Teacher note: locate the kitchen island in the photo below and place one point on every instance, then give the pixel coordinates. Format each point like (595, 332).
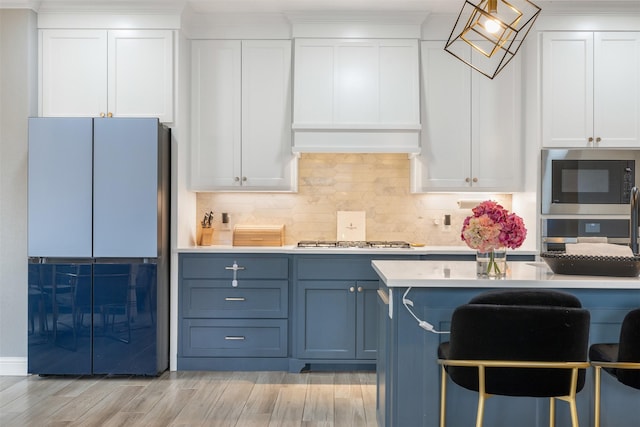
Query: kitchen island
(408, 375)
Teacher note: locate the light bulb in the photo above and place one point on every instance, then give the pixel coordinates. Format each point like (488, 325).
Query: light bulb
(492, 26)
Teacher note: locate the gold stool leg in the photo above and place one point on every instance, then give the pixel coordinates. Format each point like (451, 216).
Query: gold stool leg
(596, 403)
(574, 412)
(552, 412)
(481, 396)
(443, 397)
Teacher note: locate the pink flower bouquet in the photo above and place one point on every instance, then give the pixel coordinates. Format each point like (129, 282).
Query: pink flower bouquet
(492, 227)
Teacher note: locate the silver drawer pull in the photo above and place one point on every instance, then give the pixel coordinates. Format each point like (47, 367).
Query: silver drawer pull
(234, 338)
(234, 299)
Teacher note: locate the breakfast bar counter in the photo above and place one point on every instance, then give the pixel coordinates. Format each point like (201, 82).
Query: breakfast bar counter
(408, 376)
(461, 274)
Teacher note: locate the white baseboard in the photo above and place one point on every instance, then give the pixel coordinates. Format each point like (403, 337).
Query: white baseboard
(13, 366)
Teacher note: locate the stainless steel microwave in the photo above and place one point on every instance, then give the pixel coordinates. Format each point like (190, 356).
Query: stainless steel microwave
(590, 182)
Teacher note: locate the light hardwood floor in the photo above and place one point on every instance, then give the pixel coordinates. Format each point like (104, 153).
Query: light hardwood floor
(188, 398)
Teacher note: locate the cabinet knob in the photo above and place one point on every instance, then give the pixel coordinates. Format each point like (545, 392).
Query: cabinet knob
(475, 179)
(360, 289)
(244, 179)
(109, 114)
(598, 139)
(101, 114)
(352, 289)
(236, 179)
(590, 139)
(467, 179)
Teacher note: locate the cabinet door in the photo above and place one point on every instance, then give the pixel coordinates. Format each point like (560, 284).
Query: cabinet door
(495, 128)
(326, 326)
(216, 112)
(73, 72)
(567, 89)
(617, 89)
(446, 122)
(267, 159)
(367, 319)
(141, 73)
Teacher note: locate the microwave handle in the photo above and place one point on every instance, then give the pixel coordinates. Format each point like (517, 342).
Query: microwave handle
(560, 239)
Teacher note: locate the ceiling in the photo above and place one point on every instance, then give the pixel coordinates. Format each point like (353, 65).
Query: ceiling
(277, 6)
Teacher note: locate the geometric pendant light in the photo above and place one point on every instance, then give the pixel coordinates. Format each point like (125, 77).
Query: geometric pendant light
(494, 29)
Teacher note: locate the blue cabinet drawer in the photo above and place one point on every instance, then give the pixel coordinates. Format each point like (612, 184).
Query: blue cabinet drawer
(205, 266)
(251, 299)
(342, 267)
(234, 338)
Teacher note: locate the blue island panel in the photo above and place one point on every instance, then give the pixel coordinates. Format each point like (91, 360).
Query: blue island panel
(409, 376)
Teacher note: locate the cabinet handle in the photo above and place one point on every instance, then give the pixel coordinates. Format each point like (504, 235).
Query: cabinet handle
(360, 289)
(236, 179)
(244, 179)
(598, 139)
(467, 179)
(234, 299)
(234, 338)
(590, 139)
(234, 268)
(109, 114)
(352, 289)
(101, 114)
(475, 179)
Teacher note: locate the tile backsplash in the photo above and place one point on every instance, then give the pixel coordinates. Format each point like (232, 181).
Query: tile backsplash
(375, 183)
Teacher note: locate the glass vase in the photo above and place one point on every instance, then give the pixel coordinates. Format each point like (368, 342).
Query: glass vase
(492, 264)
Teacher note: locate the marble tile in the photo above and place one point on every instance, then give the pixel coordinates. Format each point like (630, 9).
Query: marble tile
(375, 183)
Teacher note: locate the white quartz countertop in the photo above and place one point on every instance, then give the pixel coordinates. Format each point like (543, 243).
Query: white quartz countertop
(462, 274)
(293, 249)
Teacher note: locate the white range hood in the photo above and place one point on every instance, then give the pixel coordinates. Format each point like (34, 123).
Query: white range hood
(356, 95)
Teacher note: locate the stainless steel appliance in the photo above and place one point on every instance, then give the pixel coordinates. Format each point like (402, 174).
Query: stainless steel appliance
(590, 181)
(98, 246)
(351, 244)
(556, 232)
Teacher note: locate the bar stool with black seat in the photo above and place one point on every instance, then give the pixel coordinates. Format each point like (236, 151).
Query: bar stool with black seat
(517, 343)
(622, 359)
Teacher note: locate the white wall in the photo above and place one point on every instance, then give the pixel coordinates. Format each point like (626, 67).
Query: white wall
(18, 101)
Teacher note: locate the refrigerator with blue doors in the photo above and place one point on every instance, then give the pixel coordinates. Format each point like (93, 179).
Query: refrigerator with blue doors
(98, 246)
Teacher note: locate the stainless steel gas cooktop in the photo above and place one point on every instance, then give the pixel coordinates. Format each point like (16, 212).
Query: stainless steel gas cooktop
(351, 244)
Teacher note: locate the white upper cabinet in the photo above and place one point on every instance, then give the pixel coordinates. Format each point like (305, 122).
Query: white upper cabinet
(241, 116)
(73, 73)
(368, 88)
(124, 73)
(591, 89)
(471, 127)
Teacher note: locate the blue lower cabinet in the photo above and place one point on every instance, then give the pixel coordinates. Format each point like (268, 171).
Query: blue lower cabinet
(234, 312)
(336, 320)
(335, 310)
(249, 311)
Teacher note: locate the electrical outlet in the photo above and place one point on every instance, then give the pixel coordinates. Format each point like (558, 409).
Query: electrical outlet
(446, 222)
